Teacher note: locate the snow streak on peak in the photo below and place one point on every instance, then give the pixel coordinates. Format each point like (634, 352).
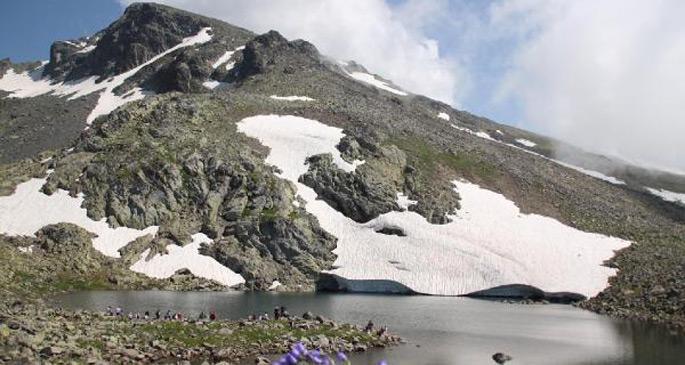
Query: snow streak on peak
(225, 58)
(372, 80)
(32, 83)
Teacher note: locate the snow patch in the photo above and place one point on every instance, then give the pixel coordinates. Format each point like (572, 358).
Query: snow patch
(28, 209)
(499, 132)
(32, 83)
(480, 134)
(292, 98)
(187, 257)
(489, 243)
(444, 116)
(215, 85)
(668, 195)
(592, 173)
(87, 49)
(372, 80)
(404, 202)
(595, 174)
(225, 57)
(275, 285)
(27, 249)
(525, 142)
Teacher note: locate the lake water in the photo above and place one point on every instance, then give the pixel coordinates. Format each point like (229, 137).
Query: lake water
(440, 330)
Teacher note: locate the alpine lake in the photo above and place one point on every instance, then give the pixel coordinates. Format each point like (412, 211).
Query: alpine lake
(438, 330)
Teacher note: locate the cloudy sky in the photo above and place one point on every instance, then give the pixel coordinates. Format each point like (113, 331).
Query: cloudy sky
(606, 75)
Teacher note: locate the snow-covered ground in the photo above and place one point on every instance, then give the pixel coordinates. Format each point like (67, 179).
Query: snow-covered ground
(444, 116)
(32, 83)
(489, 243)
(525, 142)
(292, 98)
(372, 80)
(28, 210)
(187, 257)
(668, 195)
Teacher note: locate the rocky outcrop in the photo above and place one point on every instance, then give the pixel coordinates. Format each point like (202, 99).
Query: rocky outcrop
(144, 31)
(182, 175)
(271, 52)
(354, 194)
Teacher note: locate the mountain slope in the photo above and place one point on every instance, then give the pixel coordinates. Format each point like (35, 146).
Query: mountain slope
(440, 194)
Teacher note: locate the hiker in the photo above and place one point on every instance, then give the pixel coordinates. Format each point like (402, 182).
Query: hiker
(212, 316)
(202, 316)
(109, 311)
(284, 312)
(382, 331)
(167, 316)
(147, 315)
(369, 327)
(119, 311)
(157, 314)
(265, 316)
(277, 313)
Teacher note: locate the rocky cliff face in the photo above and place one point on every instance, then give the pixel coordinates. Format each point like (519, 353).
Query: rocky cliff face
(177, 161)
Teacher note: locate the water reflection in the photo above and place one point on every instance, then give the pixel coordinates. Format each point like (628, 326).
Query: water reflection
(439, 330)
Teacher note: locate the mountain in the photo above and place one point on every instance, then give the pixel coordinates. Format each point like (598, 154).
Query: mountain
(185, 143)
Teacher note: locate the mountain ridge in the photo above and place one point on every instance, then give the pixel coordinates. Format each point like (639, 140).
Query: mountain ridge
(164, 161)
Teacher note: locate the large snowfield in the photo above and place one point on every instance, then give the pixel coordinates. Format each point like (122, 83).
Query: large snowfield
(489, 243)
(32, 83)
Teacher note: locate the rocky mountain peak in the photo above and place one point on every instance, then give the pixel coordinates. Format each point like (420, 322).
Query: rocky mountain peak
(272, 51)
(144, 31)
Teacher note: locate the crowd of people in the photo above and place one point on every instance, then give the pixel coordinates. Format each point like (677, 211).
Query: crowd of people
(157, 315)
(279, 313)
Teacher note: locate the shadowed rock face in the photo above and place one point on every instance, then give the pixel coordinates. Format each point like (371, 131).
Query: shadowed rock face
(331, 282)
(520, 291)
(356, 196)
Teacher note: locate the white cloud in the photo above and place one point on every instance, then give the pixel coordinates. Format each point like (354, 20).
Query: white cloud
(386, 40)
(605, 75)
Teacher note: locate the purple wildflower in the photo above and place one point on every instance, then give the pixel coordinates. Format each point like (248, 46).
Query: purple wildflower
(341, 356)
(291, 360)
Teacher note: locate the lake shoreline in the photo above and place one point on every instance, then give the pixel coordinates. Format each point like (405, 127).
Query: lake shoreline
(38, 332)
